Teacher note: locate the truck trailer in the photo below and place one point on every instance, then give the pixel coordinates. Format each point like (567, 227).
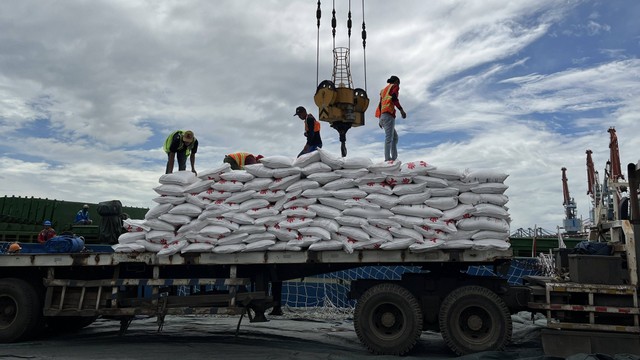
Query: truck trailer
(69, 291)
(473, 313)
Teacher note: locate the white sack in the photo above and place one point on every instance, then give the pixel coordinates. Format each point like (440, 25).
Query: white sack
(277, 161)
(317, 168)
(230, 186)
(257, 184)
(214, 174)
(442, 203)
(261, 245)
(186, 209)
(306, 159)
(484, 176)
(386, 166)
(130, 237)
(259, 170)
(237, 175)
(157, 224)
(489, 188)
(483, 223)
(422, 211)
(175, 219)
(333, 161)
(198, 186)
(416, 168)
(166, 199)
(182, 178)
(157, 210)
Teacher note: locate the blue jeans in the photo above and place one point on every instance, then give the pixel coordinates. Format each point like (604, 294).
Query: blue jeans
(388, 123)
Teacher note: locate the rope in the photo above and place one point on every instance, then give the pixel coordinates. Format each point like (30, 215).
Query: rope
(349, 25)
(333, 24)
(364, 46)
(318, 15)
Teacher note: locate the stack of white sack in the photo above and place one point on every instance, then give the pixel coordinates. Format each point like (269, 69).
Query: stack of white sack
(323, 202)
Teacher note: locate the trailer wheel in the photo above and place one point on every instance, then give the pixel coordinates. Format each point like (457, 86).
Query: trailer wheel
(69, 323)
(20, 310)
(388, 319)
(474, 319)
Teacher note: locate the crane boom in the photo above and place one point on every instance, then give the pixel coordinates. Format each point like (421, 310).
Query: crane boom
(614, 156)
(591, 175)
(571, 224)
(565, 186)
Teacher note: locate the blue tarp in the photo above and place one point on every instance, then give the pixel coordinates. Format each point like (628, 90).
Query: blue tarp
(64, 244)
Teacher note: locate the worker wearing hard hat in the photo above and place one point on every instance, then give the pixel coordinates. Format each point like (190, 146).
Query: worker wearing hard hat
(386, 112)
(14, 248)
(82, 216)
(47, 233)
(311, 130)
(181, 144)
(239, 159)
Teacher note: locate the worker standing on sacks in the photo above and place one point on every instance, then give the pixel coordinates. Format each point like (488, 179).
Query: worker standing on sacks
(386, 112)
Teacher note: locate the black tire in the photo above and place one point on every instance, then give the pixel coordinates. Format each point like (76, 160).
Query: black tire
(388, 319)
(69, 323)
(474, 319)
(20, 310)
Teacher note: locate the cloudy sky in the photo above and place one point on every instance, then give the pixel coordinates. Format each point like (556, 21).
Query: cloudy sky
(89, 90)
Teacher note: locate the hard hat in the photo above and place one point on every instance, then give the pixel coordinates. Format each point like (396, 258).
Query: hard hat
(300, 109)
(47, 223)
(85, 206)
(14, 247)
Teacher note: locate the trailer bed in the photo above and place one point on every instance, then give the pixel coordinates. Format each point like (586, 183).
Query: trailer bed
(364, 257)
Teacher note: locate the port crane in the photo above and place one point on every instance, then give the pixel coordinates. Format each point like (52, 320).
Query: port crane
(610, 202)
(572, 225)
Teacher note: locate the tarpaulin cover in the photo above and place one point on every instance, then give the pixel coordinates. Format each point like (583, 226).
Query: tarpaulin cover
(64, 244)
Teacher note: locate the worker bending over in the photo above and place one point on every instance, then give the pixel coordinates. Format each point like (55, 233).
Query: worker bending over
(238, 160)
(182, 144)
(311, 131)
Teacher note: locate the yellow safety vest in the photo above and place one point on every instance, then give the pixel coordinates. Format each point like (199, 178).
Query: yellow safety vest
(167, 143)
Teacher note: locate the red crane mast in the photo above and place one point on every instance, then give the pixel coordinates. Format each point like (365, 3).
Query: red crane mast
(614, 156)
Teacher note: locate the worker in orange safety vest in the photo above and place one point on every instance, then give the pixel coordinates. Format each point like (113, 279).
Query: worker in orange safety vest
(386, 112)
(238, 160)
(311, 131)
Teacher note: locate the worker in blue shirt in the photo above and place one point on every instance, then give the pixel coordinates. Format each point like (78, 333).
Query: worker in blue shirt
(82, 217)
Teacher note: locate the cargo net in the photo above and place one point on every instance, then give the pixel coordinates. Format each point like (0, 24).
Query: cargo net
(520, 267)
(326, 295)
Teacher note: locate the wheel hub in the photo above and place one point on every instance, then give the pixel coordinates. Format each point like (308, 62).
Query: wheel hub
(474, 322)
(388, 319)
(8, 311)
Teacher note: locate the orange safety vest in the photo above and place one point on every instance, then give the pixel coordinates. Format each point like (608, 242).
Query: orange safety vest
(239, 158)
(316, 124)
(386, 101)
